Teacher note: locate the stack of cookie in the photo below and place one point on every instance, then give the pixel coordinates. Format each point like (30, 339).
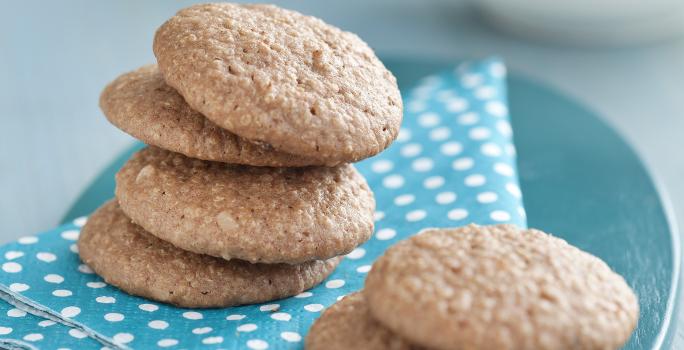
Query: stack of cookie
(245, 193)
(482, 287)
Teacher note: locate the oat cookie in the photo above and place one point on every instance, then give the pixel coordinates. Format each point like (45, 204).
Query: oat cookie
(499, 287)
(258, 214)
(144, 106)
(131, 259)
(349, 325)
(279, 77)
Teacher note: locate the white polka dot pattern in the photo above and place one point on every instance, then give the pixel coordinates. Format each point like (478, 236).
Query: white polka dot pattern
(19, 325)
(452, 164)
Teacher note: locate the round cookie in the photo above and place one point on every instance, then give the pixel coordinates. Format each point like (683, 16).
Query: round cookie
(499, 287)
(131, 259)
(258, 214)
(349, 325)
(279, 77)
(141, 104)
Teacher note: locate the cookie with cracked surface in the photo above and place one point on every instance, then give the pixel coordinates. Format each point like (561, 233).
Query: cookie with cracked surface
(276, 76)
(141, 104)
(258, 214)
(126, 256)
(499, 287)
(349, 325)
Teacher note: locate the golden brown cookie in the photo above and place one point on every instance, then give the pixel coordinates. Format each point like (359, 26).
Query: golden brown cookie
(279, 77)
(258, 214)
(126, 256)
(349, 325)
(141, 104)
(499, 287)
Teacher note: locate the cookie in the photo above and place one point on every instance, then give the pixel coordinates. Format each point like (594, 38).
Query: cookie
(126, 256)
(499, 287)
(349, 325)
(141, 104)
(279, 77)
(258, 214)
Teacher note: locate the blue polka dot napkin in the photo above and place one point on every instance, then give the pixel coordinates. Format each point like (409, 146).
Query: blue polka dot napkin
(22, 330)
(452, 164)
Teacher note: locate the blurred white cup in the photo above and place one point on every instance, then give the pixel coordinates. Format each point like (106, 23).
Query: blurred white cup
(588, 22)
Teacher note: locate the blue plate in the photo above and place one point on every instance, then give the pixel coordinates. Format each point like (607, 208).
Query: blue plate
(580, 180)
